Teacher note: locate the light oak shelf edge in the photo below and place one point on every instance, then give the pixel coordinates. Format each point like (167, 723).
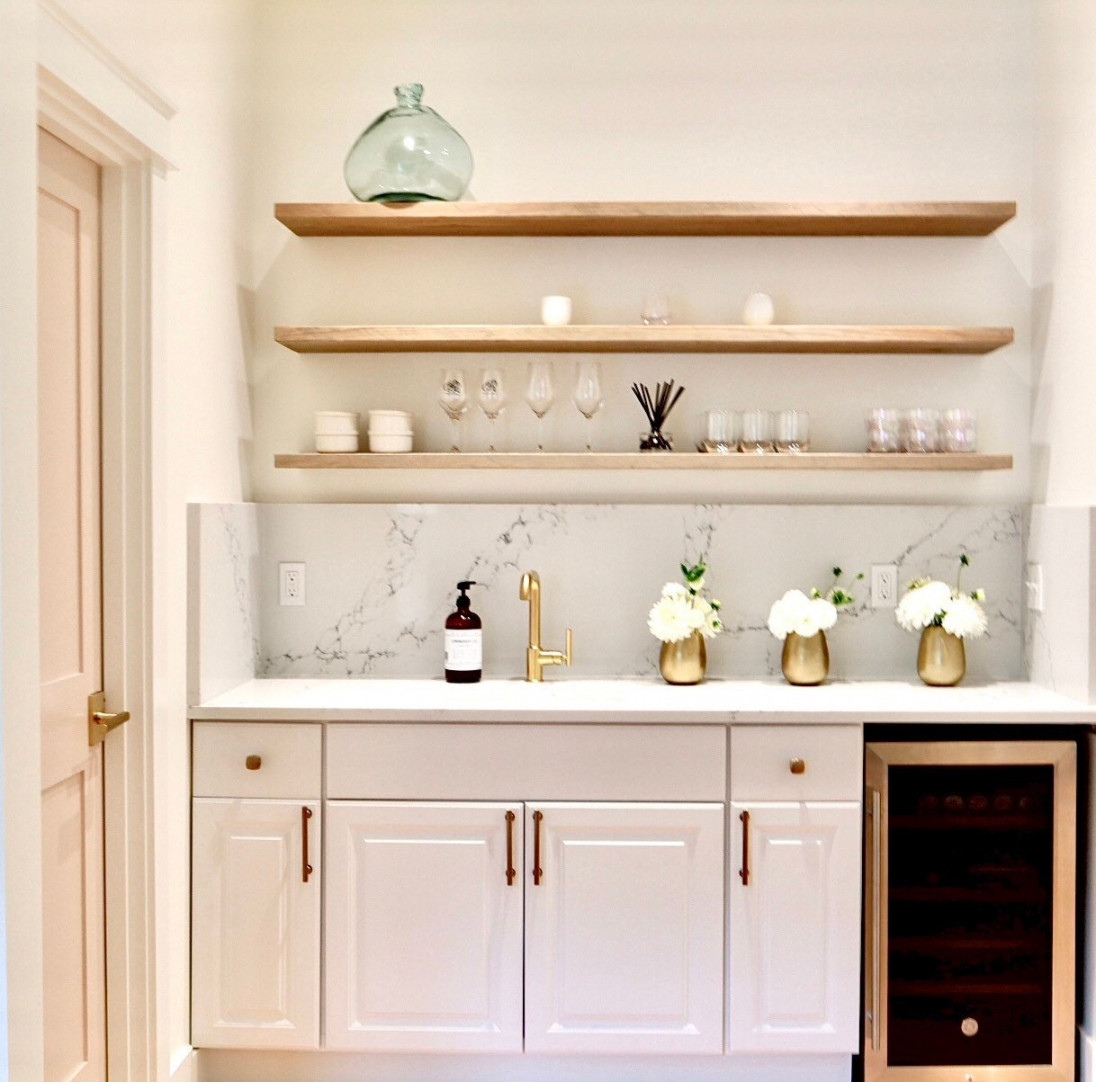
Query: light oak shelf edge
(634, 460)
(605, 219)
(677, 338)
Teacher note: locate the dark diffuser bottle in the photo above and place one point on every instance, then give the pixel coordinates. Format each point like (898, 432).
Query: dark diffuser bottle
(463, 642)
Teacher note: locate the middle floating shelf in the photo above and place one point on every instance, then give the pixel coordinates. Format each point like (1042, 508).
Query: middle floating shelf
(675, 338)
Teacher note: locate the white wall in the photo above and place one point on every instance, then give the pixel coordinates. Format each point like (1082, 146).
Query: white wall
(790, 99)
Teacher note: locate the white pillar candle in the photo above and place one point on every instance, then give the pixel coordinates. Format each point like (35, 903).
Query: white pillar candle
(759, 310)
(555, 311)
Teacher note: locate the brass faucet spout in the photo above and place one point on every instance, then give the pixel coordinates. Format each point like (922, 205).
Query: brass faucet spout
(530, 591)
(535, 657)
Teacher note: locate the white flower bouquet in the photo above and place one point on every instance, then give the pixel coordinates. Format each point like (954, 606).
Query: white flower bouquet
(683, 609)
(931, 603)
(805, 616)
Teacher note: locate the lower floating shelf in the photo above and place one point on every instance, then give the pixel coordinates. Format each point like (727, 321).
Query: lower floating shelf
(635, 460)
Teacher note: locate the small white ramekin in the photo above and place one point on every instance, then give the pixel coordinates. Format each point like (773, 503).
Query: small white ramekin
(341, 442)
(389, 443)
(390, 422)
(336, 423)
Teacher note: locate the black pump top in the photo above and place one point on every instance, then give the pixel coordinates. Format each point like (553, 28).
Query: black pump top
(463, 601)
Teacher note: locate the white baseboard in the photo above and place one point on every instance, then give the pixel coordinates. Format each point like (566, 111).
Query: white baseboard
(184, 1065)
(1087, 1057)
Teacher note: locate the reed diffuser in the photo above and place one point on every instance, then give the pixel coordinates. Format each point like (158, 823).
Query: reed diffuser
(657, 408)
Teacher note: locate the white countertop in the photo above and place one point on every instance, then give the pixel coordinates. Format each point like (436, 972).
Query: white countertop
(640, 700)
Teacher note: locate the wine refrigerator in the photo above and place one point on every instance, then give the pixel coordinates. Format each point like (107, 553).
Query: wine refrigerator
(969, 923)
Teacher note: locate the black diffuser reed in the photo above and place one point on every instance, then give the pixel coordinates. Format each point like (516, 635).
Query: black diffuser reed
(657, 408)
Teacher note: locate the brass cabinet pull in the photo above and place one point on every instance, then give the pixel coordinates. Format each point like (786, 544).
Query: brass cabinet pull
(538, 871)
(798, 766)
(253, 762)
(306, 868)
(876, 914)
(744, 871)
(510, 872)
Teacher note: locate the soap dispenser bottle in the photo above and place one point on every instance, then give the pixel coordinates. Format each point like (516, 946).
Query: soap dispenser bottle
(463, 642)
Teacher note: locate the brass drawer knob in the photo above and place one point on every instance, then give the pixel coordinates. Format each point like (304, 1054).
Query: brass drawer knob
(798, 766)
(253, 762)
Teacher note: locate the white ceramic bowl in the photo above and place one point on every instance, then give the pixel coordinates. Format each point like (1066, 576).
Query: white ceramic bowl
(344, 442)
(336, 423)
(390, 422)
(389, 443)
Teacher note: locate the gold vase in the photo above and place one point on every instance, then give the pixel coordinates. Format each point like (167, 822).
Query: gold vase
(683, 662)
(941, 658)
(805, 661)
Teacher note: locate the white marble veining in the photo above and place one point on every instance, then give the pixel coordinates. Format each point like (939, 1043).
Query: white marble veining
(640, 699)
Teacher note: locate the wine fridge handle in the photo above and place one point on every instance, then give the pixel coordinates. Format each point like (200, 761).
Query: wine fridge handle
(744, 871)
(538, 871)
(876, 914)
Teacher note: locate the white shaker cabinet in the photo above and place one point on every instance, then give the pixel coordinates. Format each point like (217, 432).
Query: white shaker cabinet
(424, 926)
(794, 927)
(256, 924)
(624, 928)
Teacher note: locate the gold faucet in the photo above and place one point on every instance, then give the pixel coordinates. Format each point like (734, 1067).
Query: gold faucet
(535, 657)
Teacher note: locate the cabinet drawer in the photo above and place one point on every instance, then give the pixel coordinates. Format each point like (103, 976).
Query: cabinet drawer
(763, 758)
(285, 760)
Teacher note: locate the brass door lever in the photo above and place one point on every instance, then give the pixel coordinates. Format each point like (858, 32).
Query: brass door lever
(100, 720)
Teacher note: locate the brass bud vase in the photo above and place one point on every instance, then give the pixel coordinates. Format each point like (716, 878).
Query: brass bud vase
(941, 658)
(805, 661)
(683, 662)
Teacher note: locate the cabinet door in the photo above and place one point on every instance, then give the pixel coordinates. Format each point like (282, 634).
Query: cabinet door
(423, 926)
(256, 924)
(624, 928)
(794, 929)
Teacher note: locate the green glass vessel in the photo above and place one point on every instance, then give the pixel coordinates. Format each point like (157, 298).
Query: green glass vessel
(408, 154)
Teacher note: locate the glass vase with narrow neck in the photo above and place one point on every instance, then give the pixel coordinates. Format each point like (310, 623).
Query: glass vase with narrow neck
(408, 154)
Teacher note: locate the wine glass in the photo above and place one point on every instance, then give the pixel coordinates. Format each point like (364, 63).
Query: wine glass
(588, 395)
(540, 393)
(491, 395)
(454, 400)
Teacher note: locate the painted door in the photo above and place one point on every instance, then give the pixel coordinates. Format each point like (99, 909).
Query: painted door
(256, 924)
(423, 940)
(624, 928)
(794, 927)
(70, 592)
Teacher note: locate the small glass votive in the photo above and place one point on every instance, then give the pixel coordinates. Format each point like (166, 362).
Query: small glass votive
(883, 431)
(793, 431)
(919, 431)
(555, 311)
(718, 432)
(959, 431)
(655, 310)
(757, 432)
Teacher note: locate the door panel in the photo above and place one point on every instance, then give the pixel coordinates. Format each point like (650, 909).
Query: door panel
(256, 925)
(423, 931)
(70, 589)
(624, 931)
(794, 928)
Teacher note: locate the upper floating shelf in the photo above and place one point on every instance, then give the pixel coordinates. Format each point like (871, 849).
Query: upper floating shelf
(440, 219)
(675, 338)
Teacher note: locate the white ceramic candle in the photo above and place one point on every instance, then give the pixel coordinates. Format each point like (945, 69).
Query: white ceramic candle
(759, 310)
(555, 311)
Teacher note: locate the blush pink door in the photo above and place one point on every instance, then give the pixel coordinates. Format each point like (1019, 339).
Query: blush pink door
(70, 591)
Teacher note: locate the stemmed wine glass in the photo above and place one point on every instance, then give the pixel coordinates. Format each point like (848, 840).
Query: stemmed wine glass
(454, 400)
(588, 395)
(540, 393)
(491, 395)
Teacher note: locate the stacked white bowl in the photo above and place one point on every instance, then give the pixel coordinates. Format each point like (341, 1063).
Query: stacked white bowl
(390, 431)
(336, 431)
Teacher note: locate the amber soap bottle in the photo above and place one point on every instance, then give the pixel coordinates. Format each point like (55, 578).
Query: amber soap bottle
(463, 641)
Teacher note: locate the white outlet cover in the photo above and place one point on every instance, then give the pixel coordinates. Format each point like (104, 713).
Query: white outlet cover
(290, 584)
(1033, 587)
(884, 586)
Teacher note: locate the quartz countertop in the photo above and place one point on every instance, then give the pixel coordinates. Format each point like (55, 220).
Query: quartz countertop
(640, 700)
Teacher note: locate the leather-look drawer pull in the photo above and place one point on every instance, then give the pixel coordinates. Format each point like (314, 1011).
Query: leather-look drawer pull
(253, 762)
(798, 766)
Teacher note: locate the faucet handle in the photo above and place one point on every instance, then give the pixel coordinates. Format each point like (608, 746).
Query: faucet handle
(566, 660)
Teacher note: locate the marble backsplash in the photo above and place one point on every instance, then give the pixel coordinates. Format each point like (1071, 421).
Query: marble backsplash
(381, 579)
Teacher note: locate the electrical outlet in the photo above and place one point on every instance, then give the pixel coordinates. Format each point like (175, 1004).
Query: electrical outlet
(884, 586)
(290, 584)
(1033, 587)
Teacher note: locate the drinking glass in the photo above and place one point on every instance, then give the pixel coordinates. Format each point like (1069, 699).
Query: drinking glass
(491, 396)
(588, 395)
(454, 400)
(919, 431)
(793, 431)
(718, 432)
(540, 394)
(757, 431)
(959, 431)
(655, 310)
(883, 426)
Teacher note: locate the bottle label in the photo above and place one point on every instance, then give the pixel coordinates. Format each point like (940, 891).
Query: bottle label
(464, 650)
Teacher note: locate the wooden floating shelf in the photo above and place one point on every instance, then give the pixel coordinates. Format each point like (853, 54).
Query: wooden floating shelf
(675, 338)
(694, 219)
(635, 460)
